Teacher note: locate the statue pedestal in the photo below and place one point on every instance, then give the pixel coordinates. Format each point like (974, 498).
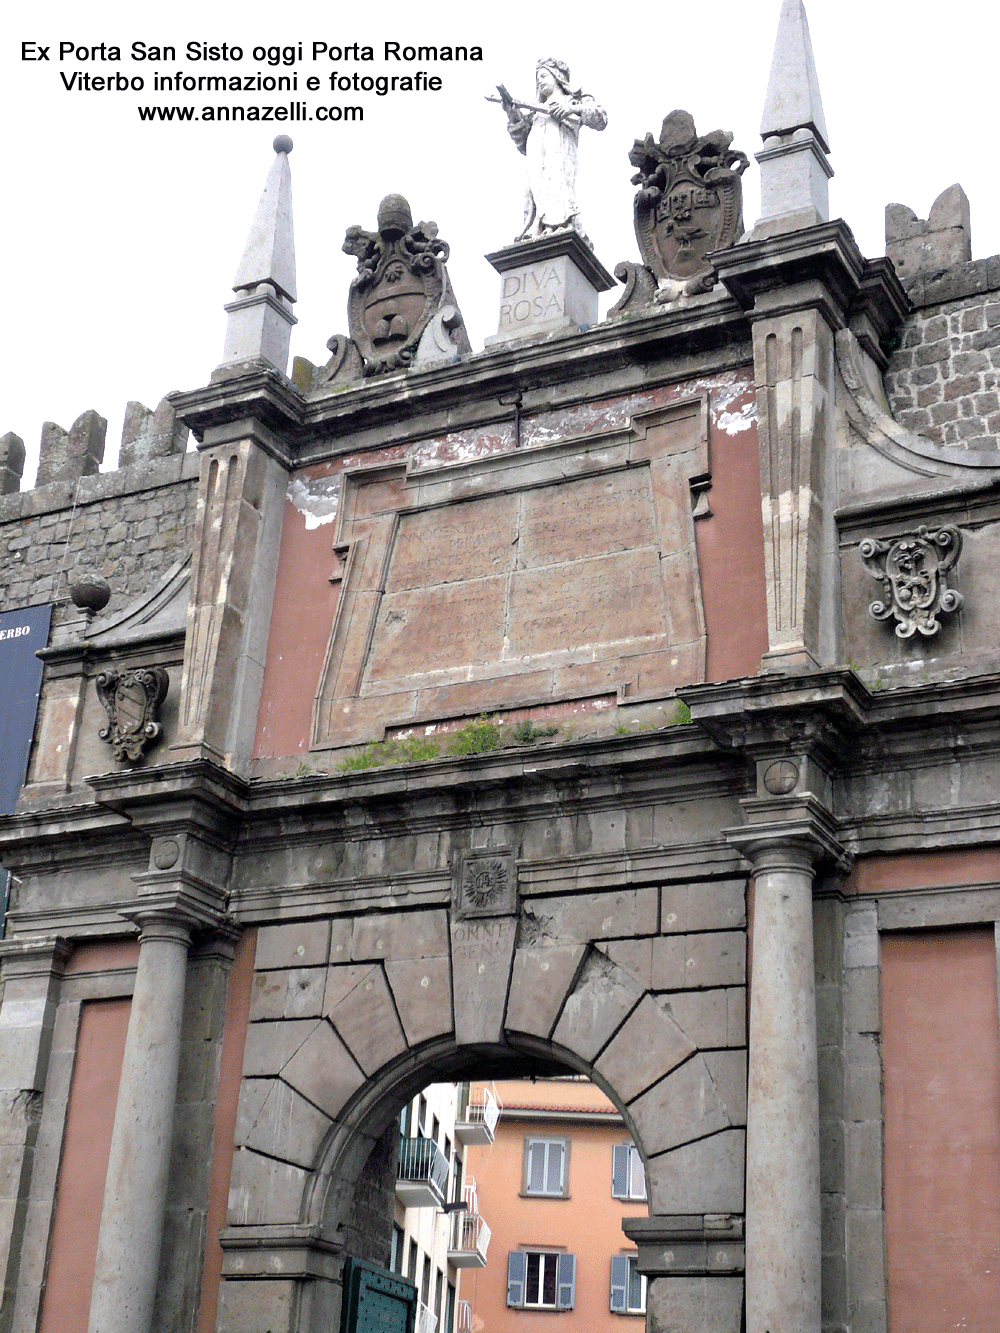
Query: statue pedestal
(548, 285)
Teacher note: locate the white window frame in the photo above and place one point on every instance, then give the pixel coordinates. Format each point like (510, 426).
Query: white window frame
(626, 1161)
(532, 1146)
(548, 1261)
(560, 1266)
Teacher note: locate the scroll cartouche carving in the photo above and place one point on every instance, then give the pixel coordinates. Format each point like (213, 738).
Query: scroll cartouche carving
(402, 284)
(913, 572)
(132, 701)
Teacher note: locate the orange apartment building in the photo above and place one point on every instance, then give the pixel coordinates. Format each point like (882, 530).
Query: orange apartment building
(555, 1185)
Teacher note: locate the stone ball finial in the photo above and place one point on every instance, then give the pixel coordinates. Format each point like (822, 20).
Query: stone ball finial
(282, 144)
(394, 216)
(89, 591)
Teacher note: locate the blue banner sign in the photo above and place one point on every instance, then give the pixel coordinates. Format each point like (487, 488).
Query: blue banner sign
(22, 633)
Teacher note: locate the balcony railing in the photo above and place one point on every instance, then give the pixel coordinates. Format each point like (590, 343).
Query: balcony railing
(470, 1239)
(422, 1176)
(463, 1317)
(479, 1120)
(427, 1321)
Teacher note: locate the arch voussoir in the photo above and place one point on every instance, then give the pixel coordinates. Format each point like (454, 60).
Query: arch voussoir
(482, 954)
(648, 1030)
(541, 978)
(603, 997)
(365, 1018)
(421, 988)
(273, 1118)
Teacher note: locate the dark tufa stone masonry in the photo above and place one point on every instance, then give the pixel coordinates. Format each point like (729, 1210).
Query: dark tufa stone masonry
(943, 381)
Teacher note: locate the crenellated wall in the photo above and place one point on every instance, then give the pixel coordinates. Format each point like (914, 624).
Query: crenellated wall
(129, 526)
(943, 378)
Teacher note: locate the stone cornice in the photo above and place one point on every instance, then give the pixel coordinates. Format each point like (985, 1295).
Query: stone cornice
(159, 795)
(293, 1249)
(813, 710)
(687, 1245)
(421, 404)
(827, 253)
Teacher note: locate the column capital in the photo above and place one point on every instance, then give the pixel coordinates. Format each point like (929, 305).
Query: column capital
(788, 833)
(173, 913)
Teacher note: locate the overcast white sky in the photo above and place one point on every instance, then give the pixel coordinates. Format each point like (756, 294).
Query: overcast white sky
(122, 238)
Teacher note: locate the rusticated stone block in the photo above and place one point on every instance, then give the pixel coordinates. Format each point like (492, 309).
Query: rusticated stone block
(604, 997)
(295, 944)
(70, 455)
(422, 991)
(702, 1177)
(263, 1189)
(11, 463)
(695, 1304)
(704, 1095)
(540, 979)
(650, 1029)
(275, 1120)
(323, 1070)
(150, 434)
(297, 993)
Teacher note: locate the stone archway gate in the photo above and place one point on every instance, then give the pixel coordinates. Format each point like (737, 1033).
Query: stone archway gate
(464, 914)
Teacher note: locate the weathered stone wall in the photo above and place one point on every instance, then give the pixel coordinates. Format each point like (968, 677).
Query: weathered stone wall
(944, 380)
(369, 1227)
(130, 526)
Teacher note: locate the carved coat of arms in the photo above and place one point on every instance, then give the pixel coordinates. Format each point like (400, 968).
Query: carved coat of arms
(689, 203)
(132, 700)
(401, 287)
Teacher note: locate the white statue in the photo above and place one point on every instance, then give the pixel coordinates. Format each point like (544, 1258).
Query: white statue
(548, 133)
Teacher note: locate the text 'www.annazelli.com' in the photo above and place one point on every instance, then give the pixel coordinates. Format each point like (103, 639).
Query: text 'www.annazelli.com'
(291, 111)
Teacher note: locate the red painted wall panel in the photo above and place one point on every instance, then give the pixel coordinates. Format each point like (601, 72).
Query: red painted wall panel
(84, 1166)
(941, 1053)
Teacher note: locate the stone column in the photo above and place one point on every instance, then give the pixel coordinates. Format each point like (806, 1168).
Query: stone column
(128, 1250)
(783, 1182)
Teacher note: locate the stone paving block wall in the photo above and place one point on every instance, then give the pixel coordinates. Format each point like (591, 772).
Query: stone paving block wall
(129, 526)
(944, 379)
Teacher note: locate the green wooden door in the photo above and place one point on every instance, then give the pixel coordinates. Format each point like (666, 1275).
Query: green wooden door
(377, 1301)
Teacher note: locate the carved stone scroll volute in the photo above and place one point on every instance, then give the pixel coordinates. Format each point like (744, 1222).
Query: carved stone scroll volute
(913, 570)
(402, 284)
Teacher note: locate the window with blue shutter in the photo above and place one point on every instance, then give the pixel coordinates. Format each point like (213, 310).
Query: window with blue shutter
(628, 1176)
(619, 1282)
(517, 1268)
(545, 1167)
(628, 1285)
(541, 1280)
(566, 1282)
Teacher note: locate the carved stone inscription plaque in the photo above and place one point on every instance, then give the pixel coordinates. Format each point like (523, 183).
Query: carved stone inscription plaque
(565, 563)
